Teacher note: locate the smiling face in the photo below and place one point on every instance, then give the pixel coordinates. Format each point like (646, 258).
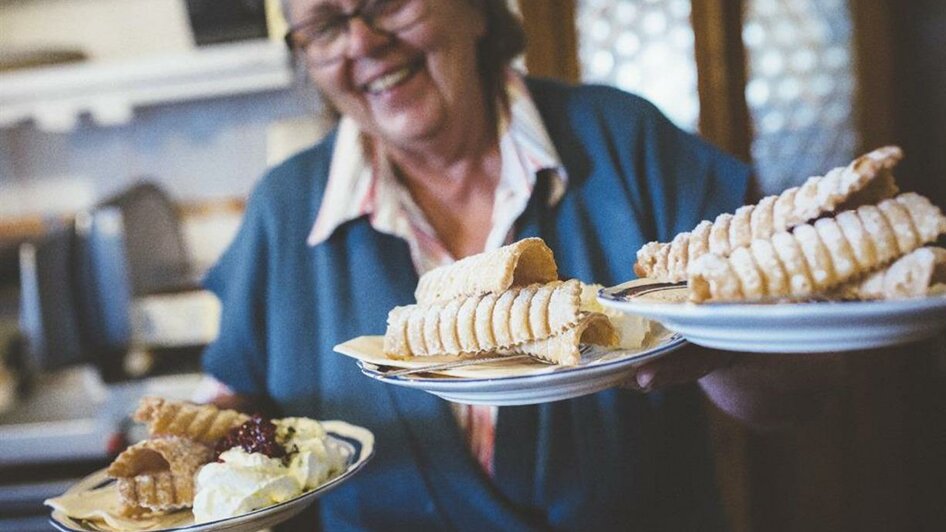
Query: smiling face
(410, 86)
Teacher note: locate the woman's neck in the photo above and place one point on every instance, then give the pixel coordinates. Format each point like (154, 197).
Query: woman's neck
(453, 179)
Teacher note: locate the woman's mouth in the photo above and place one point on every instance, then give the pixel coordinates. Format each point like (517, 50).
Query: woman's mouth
(391, 79)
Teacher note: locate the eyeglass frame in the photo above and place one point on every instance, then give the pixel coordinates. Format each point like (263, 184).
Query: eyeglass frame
(347, 18)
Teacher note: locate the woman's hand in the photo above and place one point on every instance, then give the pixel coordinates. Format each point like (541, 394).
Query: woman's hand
(763, 390)
(688, 364)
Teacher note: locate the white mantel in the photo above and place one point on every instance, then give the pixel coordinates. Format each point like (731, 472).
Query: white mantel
(55, 97)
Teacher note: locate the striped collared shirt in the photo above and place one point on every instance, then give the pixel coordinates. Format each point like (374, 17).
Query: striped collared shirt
(359, 186)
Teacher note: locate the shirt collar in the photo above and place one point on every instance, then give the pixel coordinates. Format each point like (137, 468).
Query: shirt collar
(352, 188)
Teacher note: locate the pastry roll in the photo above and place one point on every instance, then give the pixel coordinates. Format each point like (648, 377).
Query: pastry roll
(866, 180)
(863, 249)
(158, 474)
(819, 257)
(564, 348)
(203, 423)
(915, 274)
(525, 262)
(771, 268)
(718, 239)
(485, 322)
(841, 253)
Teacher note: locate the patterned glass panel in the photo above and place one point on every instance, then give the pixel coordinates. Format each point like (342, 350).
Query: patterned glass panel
(645, 47)
(800, 88)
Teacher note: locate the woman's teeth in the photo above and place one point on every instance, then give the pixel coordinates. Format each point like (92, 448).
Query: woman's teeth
(387, 81)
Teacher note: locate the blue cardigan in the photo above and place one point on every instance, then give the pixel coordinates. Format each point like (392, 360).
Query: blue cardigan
(616, 459)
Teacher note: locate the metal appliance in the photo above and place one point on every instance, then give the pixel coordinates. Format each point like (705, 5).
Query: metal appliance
(82, 290)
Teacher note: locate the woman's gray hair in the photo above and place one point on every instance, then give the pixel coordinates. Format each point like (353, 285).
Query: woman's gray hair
(505, 39)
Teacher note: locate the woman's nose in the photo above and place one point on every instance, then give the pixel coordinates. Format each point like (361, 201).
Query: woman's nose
(364, 39)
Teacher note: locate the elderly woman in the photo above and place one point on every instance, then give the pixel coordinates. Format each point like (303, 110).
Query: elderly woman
(442, 151)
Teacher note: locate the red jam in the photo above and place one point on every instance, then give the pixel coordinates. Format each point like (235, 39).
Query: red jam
(257, 435)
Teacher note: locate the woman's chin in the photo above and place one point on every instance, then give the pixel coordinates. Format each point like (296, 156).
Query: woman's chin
(406, 128)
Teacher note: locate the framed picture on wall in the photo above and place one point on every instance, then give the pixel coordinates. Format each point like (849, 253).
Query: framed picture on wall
(219, 21)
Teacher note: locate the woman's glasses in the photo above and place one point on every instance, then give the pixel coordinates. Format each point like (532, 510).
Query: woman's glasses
(324, 35)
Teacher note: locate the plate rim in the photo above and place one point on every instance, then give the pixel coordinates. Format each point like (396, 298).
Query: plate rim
(476, 385)
(807, 311)
(365, 453)
(790, 328)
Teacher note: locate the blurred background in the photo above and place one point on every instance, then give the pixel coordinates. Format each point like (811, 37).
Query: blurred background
(131, 132)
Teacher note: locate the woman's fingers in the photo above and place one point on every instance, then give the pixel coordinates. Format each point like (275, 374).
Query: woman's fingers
(679, 368)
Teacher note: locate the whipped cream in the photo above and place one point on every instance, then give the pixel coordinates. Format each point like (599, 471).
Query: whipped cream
(632, 330)
(313, 457)
(241, 482)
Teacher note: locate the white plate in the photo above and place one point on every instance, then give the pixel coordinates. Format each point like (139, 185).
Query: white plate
(359, 443)
(520, 383)
(786, 327)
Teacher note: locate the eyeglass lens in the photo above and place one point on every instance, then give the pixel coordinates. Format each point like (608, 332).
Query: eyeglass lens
(324, 36)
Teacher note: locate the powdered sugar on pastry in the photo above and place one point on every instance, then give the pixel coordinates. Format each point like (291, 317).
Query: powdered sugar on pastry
(485, 322)
(915, 274)
(203, 423)
(845, 187)
(525, 262)
(820, 257)
(158, 474)
(564, 347)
